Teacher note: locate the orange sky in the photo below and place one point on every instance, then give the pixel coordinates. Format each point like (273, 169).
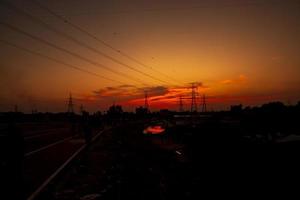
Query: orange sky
(237, 51)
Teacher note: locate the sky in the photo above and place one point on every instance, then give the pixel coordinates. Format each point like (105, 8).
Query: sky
(112, 52)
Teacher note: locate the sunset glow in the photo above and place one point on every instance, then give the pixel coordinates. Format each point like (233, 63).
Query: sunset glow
(246, 53)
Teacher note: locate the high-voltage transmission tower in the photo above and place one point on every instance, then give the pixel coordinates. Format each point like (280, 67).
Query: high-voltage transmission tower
(204, 104)
(194, 98)
(70, 104)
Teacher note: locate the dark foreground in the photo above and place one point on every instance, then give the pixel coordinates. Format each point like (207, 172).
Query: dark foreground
(126, 164)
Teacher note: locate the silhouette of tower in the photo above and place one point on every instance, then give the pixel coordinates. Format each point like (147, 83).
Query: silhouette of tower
(203, 103)
(146, 101)
(180, 104)
(34, 110)
(16, 108)
(81, 108)
(194, 98)
(70, 104)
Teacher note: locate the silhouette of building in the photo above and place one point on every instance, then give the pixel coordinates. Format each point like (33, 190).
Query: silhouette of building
(236, 108)
(115, 110)
(141, 111)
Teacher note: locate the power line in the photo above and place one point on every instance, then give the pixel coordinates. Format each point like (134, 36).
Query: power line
(80, 43)
(68, 52)
(58, 61)
(75, 26)
(11, 6)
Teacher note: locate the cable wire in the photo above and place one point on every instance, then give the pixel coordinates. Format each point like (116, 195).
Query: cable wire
(41, 40)
(80, 43)
(58, 61)
(80, 29)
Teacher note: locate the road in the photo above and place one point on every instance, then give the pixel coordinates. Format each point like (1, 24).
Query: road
(122, 164)
(46, 149)
(127, 164)
(47, 146)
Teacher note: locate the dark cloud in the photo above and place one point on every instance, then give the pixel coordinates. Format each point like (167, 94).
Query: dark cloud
(111, 88)
(154, 91)
(129, 92)
(98, 92)
(198, 84)
(127, 86)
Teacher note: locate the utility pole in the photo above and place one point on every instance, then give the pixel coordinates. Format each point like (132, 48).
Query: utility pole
(81, 109)
(194, 98)
(16, 108)
(146, 101)
(70, 104)
(204, 104)
(34, 109)
(180, 104)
